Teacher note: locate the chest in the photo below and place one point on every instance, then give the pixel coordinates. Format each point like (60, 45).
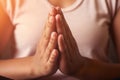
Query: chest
(90, 26)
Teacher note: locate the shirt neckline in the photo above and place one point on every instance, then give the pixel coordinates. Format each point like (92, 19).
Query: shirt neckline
(69, 8)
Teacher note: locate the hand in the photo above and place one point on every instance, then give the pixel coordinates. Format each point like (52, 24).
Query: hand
(70, 60)
(45, 61)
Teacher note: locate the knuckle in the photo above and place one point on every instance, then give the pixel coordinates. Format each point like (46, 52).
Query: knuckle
(46, 36)
(49, 24)
(52, 60)
(49, 49)
(52, 41)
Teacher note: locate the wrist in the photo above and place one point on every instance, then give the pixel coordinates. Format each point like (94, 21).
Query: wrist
(82, 70)
(31, 68)
(37, 70)
(34, 69)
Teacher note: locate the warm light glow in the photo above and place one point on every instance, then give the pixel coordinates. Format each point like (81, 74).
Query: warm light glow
(5, 28)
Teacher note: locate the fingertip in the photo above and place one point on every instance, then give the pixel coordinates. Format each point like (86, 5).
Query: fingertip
(58, 17)
(60, 40)
(59, 24)
(61, 43)
(55, 52)
(61, 37)
(53, 34)
(53, 11)
(58, 9)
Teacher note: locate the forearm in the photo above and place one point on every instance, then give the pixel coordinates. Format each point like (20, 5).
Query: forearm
(96, 70)
(17, 68)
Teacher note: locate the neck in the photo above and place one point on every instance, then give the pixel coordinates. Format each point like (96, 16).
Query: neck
(62, 3)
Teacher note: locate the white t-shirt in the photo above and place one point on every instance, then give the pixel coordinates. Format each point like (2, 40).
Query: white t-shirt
(89, 21)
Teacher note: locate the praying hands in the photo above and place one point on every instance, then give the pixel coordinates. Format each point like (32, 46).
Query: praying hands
(57, 42)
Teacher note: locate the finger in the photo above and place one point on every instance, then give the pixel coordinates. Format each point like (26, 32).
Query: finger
(61, 30)
(50, 27)
(63, 48)
(62, 27)
(64, 54)
(59, 11)
(53, 57)
(51, 19)
(59, 24)
(52, 44)
(61, 43)
(59, 21)
(53, 12)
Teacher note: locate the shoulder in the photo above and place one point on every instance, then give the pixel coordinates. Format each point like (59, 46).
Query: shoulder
(113, 6)
(10, 6)
(5, 13)
(7, 4)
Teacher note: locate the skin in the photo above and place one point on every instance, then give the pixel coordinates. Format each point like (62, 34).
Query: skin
(42, 64)
(116, 33)
(61, 3)
(5, 32)
(47, 53)
(85, 69)
(45, 61)
(67, 46)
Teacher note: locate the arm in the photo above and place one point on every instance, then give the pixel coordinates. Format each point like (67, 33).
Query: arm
(110, 71)
(86, 69)
(6, 28)
(43, 63)
(17, 68)
(11, 68)
(96, 70)
(116, 33)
